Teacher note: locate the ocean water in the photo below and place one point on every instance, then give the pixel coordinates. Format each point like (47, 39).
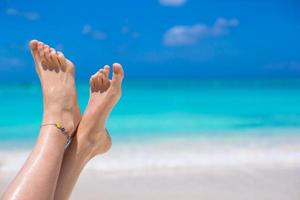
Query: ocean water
(154, 109)
(200, 124)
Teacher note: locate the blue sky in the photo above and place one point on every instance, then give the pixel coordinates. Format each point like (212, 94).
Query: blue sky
(156, 38)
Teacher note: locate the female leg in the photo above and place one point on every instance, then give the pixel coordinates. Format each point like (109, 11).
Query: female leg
(38, 177)
(91, 138)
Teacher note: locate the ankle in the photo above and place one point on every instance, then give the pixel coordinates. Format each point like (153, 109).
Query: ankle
(65, 120)
(94, 144)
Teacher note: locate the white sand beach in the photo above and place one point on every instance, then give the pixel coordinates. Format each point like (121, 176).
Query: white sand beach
(191, 184)
(266, 168)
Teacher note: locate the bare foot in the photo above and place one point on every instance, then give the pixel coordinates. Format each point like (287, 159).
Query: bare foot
(56, 74)
(104, 94)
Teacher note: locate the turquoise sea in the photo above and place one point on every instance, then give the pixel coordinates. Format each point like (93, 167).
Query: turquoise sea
(166, 124)
(152, 109)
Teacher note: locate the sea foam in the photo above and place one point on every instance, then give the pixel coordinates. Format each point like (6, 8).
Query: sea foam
(200, 154)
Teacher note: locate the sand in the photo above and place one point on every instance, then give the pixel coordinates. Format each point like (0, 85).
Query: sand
(191, 184)
(227, 169)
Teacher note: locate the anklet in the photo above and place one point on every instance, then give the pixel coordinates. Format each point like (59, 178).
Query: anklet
(62, 130)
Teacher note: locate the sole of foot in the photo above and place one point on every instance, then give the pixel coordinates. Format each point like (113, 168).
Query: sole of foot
(104, 94)
(56, 74)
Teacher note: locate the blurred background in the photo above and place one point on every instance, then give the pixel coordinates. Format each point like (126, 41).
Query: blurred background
(208, 83)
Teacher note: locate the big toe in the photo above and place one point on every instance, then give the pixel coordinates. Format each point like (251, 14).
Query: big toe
(118, 75)
(33, 44)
